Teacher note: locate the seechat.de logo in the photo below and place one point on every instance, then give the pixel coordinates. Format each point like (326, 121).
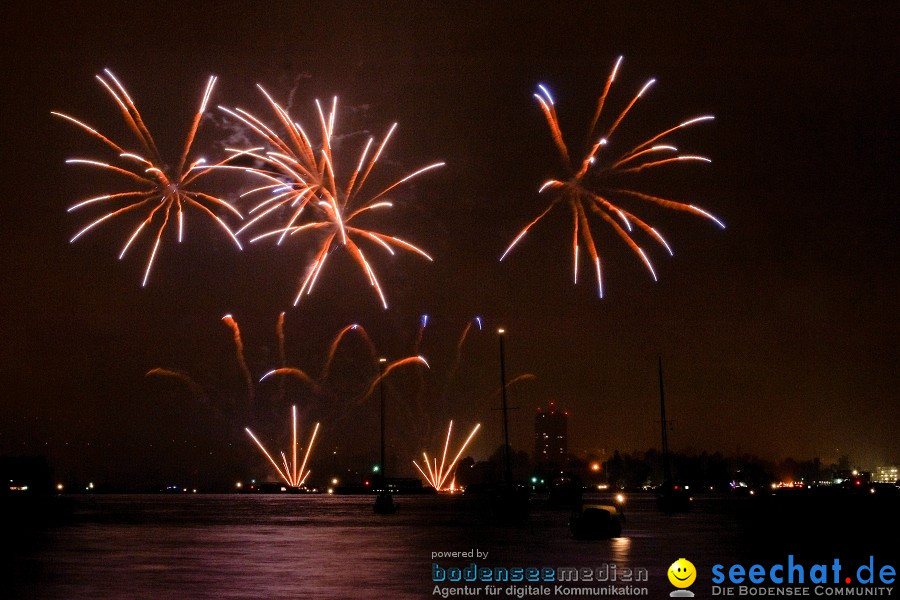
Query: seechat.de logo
(682, 574)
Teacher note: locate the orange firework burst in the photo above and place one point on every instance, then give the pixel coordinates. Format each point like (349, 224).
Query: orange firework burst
(590, 185)
(161, 190)
(437, 475)
(297, 176)
(293, 475)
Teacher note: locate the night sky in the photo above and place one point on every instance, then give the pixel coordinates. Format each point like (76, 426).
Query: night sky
(778, 335)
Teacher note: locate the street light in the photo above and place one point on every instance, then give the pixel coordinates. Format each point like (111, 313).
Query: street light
(384, 503)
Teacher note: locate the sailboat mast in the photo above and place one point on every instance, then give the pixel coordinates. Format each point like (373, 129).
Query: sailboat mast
(381, 465)
(506, 448)
(667, 471)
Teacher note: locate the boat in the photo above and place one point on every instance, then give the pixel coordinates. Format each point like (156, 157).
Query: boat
(596, 522)
(384, 504)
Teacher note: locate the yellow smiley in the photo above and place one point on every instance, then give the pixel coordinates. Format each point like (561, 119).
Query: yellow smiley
(682, 573)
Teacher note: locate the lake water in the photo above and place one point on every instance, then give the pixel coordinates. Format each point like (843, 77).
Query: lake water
(320, 546)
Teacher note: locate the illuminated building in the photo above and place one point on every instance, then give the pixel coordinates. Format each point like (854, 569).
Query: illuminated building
(551, 440)
(890, 474)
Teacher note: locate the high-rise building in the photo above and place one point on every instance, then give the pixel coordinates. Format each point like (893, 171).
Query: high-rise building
(890, 474)
(551, 440)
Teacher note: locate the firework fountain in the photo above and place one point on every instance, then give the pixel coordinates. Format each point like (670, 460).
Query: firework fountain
(292, 474)
(438, 474)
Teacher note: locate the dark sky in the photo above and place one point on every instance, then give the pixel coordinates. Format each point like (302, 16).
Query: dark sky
(778, 335)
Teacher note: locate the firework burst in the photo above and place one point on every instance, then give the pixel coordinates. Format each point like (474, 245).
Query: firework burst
(593, 184)
(161, 193)
(293, 475)
(303, 182)
(438, 474)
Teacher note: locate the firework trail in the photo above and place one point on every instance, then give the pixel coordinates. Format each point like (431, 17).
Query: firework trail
(462, 339)
(161, 194)
(417, 406)
(332, 350)
(496, 393)
(459, 347)
(387, 371)
(239, 353)
(279, 332)
(293, 372)
(438, 474)
(282, 356)
(463, 336)
(457, 357)
(210, 390)
(423, 323)
(292, 475)
(592, 185)
(195, 388)
(297, 177)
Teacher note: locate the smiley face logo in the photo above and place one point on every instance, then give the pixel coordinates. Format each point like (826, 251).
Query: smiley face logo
(682, 573)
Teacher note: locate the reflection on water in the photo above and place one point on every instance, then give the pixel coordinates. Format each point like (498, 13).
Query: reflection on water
(257, 546)
(618, 549)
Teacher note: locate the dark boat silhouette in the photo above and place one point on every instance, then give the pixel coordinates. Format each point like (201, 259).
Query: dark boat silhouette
(384, 504)
(596, 522)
